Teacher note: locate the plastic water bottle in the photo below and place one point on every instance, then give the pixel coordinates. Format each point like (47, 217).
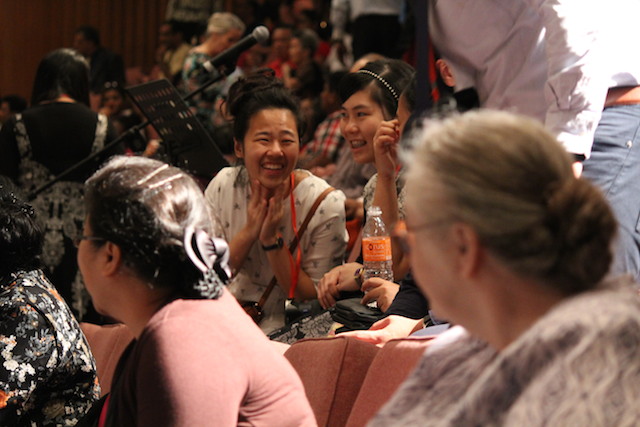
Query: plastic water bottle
(376, 247)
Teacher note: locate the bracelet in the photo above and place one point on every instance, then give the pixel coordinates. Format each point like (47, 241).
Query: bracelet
(357, 276)
(277, 245)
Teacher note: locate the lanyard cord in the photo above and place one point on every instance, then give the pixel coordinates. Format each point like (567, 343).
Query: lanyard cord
(433, 76)
(295, 266)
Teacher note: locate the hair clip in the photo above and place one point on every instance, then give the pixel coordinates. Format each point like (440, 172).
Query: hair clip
(167, 180)
(211, 256)
(152, 174)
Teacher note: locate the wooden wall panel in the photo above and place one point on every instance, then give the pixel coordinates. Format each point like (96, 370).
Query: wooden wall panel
(31, 28)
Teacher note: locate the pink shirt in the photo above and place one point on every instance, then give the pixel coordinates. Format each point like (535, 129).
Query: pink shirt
(202, 363)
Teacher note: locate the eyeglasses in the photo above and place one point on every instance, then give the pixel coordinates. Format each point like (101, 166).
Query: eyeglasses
(402, 230)
(78, 239)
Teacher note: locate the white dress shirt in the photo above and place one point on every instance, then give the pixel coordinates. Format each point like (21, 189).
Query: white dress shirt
(344, 10)
(550, 59)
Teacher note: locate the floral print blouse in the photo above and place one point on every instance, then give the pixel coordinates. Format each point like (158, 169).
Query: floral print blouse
(323, 244)
(47, 372)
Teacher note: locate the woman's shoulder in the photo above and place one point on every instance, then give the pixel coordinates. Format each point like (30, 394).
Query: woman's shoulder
(29, 294)
(52, 114)
(613, 304)
(310, 187)
(227, 179)
(26, 287)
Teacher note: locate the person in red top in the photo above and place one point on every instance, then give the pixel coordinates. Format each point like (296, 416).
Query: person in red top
(280, 39)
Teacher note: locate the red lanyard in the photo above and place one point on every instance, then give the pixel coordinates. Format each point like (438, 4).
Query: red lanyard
(103, 412)
(295, 266)
(433, 76)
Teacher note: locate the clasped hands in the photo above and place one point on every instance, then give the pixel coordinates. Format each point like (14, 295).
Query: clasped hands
(265, 211)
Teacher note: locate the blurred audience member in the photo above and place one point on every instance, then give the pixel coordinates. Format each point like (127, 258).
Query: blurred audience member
(327, 140)
(312, 112)
(104, 65)
(304, 75)
(224, 29)
(11, 105)
(280, 40)
(171, 53)
(54, 134)
(192, 16)
(375, 25)
(116, 106)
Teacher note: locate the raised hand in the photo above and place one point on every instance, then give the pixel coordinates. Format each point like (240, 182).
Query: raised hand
(257, 209)
(385, 147)
(274, 214)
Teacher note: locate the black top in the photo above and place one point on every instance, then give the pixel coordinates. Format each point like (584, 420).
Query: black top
(409, 301)
(61, 134)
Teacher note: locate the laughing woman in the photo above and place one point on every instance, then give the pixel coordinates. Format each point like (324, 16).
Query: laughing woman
(261, 205)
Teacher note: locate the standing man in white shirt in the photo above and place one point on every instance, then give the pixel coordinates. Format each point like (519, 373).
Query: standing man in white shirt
(573, 65)
(375, 25)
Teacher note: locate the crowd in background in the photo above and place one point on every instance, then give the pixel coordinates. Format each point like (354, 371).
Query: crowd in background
(495, 231)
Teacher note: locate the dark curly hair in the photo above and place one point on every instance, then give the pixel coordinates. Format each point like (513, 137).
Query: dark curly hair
(21, 238)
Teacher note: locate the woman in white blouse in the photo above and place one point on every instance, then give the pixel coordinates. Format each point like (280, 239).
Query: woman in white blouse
(260, 205)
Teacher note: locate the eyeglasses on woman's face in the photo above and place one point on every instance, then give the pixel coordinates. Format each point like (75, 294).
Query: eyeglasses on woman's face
(403, 228)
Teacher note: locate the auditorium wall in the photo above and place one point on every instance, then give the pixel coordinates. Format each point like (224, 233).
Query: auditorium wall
(31, 28)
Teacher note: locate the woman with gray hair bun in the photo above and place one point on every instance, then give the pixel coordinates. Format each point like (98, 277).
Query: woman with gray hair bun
(506, 243)
(148, 261)
(224, 29)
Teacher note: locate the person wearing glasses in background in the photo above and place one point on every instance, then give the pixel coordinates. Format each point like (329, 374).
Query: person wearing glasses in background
(148, 261)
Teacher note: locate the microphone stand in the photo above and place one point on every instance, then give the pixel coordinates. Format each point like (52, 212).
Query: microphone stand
(130, 132)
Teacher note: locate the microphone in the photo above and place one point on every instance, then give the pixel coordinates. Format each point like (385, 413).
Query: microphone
(258, 35)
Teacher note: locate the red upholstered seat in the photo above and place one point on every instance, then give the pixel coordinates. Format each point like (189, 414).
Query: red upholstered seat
(347, 381)
(332, 371)
(391, 366)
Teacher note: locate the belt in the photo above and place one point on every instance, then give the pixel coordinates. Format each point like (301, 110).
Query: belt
(627, 95)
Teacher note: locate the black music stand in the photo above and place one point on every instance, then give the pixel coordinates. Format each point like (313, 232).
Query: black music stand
(187, 143)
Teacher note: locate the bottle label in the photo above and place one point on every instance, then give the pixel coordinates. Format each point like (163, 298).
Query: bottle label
(376, 248)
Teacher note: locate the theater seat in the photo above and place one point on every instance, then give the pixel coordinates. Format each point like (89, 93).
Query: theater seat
(391, 366)
(347, 381)
(332, 371)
